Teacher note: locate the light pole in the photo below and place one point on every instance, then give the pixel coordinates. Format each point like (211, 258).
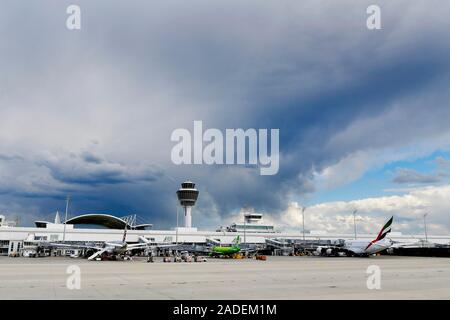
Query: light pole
(354, 221)
(425, 226)
(303, 222)
(245, 229)
(176, 237)
(65, 220)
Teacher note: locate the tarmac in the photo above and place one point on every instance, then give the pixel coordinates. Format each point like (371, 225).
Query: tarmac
(218, 279)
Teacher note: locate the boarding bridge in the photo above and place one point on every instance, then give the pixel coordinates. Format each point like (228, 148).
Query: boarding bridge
(279, 247)
(277, 243)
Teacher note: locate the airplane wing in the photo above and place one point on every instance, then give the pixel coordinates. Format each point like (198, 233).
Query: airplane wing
(112, 244)
(145, 244)
(141, 245)
(74, 246)
(137, 246)
(150, 246)
(195, 249)
(98, 253)
(249, 248)
(163, 246)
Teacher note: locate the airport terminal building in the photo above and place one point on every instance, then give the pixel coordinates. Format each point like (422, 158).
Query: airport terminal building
(20, 240)
(17, 239)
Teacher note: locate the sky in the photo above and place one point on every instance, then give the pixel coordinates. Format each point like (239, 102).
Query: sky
(363, 114)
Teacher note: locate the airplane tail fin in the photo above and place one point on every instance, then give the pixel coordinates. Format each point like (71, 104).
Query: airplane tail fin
(237, 241)
(385, 230)
(125, 232)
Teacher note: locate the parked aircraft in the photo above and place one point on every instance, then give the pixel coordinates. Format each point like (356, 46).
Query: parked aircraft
(235, 248)
(361, 247)
(113, 249)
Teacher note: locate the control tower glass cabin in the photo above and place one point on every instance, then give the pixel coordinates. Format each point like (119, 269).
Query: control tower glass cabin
(187, 195)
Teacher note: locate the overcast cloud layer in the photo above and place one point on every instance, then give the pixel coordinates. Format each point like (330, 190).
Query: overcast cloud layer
(90, 112)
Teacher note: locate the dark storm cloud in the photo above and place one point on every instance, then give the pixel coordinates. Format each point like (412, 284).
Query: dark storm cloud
(89, 157)
(138, 70)
(408, 176)
(4, 157)
(89, 169)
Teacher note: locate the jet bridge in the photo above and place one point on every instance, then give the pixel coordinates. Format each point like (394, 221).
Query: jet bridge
(279, 246)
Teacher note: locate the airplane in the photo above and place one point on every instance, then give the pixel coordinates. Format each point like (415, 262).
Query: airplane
(229, 251)
(361, 247)
(217, 251)
(235, 248)
(115, 248)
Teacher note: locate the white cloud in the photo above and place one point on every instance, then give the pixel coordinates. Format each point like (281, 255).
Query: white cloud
(348, 169)
(372, 212)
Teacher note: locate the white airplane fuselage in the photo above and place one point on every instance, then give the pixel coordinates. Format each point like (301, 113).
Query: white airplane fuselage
(116, 248)
(361, 247)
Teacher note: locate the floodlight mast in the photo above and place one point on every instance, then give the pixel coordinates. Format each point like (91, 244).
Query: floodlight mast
(354, 221)
(425, 226)
(176, 235)
(303, 222)
(245, 229)
(65, 219)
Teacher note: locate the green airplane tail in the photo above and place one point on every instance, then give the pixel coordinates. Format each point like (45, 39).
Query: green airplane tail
(237, 241)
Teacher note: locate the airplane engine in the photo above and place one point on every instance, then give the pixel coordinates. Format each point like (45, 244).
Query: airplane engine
(324, 251)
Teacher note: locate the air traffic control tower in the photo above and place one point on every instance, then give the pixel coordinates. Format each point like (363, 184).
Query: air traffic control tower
(187, 195)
